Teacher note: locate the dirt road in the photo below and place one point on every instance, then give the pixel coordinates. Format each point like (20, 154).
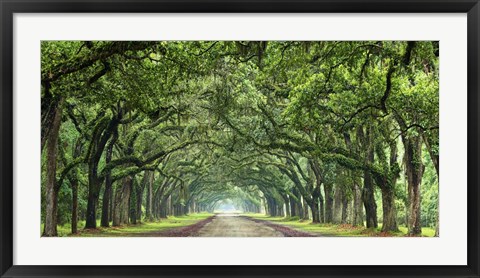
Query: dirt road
(220, 225)
(233, 225)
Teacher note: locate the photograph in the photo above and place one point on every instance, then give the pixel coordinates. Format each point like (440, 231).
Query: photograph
(239, 139)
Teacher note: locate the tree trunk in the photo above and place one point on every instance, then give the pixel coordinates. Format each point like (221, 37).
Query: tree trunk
(389, 211)
(298, 203)
(49, 107)
(287, 205)
(428, 140)
(132, 204)
(344, 208)
(120, 206)
(110, 209)
(104, 222)
(170, 205)
(270, 206)
(328, 189)
(317, 193)
(102, 133)
(280, 211)
(414, 170)
(108, 187)
(433, 154)
(74, 183)
(315, 212)
(51, 198)
(125, 215)
(164, 204)
(147, 179)
(357, 206)
(93, 187)
(315, 205)
(305, 210)
(368, 198)
(368, 191)
(322, 209)
(368, 194)
(163, 213)
(293, 207)
(73, 178)
(337, 205)
(149, 199)
(91, 220)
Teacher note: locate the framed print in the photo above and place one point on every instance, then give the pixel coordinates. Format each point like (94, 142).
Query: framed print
(239, 138)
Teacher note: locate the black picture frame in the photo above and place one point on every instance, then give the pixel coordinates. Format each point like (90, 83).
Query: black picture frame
(7, 141)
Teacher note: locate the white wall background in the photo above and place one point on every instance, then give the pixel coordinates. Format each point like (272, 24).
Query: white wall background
(449, 248)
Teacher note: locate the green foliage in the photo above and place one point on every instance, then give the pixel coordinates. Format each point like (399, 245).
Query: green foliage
(257, 124)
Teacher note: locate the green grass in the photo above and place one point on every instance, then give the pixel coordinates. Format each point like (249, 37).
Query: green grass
(335, 229)
(66, 229)
(426, 231)
(132, 230)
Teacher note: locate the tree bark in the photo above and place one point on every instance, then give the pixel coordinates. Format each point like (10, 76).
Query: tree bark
(389, 211)
(149, 199)
(93, 187)
(293, 206)
(91, 218)
(73, 178)
(434, 156)
(321, 208)
(50, 106)
(368, 198)
(357, 206)
(387, 185)
(298, 203)
(140, 190)
(287, 205)
(74, 183)
(51, 198)
(317, 193)
(414, 170)
(270, 206)
(164, 204)
(368, 191)
(315, 205)
(170, 210)
(344, 208)
(337, 205)
(315, 212)
(328, 189)
(104, 222)
(121, 204)
(430, 143)
(132, 204)
(305, 210)
(110, 209)
(102, 132)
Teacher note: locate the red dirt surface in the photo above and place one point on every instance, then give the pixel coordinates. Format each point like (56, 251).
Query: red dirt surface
(286, 231)
(187, 231)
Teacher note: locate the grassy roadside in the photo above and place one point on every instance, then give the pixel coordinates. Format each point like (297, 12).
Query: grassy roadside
(335, 229)
(132, 230)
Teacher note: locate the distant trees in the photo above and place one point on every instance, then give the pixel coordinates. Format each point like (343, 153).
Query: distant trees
(335, 132)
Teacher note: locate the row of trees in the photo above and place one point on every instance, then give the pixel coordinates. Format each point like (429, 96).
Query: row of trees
(335, 132)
